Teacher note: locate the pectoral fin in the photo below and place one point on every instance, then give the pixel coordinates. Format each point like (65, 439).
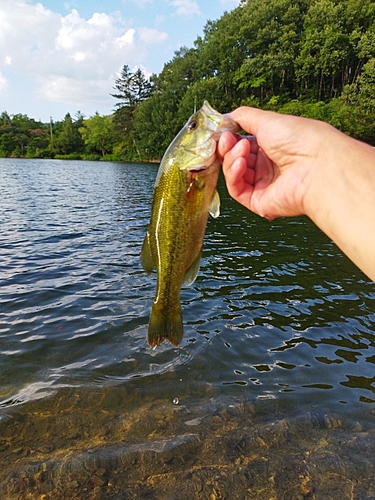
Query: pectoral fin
(214, 208)
(193, 270)
(147, 261)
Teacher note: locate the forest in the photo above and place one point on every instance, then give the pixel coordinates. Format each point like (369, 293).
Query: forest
(313, 58)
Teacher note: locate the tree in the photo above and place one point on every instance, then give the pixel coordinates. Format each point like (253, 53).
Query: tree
(38, 143)
(98, 134)
(359, 98)
(132, 89)
(16, 133)
(5, 120)
(219, 55)
(154, 126)
(67, 138)
(7, 144)
(271, 36)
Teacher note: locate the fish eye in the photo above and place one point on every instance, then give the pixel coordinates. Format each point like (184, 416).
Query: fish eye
(192, 125)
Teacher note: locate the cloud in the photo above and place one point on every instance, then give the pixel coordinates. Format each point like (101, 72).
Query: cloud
(125, 39)
(152, 36)
(3, 83)
(140, 3)
(65, 89)
(70, 59)
(186, 7)
(231, 4)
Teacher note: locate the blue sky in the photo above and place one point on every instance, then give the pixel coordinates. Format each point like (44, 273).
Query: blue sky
(61, 56)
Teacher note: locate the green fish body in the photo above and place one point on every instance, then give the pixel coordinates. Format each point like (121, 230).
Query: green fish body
(184, 194)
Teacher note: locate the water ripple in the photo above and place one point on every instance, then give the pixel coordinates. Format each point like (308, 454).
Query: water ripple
(276, 311)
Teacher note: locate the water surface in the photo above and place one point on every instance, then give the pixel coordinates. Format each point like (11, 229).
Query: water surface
(276, 367)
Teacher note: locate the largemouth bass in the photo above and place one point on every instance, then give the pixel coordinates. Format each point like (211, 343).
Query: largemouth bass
(184, 194)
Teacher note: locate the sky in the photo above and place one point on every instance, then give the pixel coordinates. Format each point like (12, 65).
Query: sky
(63, 56)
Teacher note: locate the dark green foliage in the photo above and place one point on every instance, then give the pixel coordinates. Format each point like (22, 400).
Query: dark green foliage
(21, 136)
(66, 139)
(314, 58)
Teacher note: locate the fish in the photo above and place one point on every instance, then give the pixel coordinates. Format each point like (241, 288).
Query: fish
(184, 195)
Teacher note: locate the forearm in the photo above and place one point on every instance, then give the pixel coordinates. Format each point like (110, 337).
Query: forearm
(341, 198)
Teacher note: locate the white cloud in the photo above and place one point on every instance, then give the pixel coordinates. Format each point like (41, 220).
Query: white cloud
(140, 3)
(230, 4)
(3, 83)
(70, 59)
(152, 36)
(102, 20)
(64, 89)
(186, 7)
(126, 39)
(79, 56)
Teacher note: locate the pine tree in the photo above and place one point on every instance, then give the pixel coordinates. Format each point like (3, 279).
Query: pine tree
(132, 89)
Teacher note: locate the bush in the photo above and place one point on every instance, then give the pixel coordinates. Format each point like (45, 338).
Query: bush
(70, 156)
(91, 157)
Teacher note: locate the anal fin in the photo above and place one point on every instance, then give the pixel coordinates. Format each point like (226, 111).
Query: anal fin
(193, 270)
(146, 256)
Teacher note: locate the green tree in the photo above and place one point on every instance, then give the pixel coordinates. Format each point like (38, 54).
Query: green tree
(219, 55)
(154, 126)
(324, 51)
(207, 89)
(98, 134)
(158, 118)
(268, 35)
(67, 138)
(38, 143)
(15, 134)
(132, 89)
(359, 97)
(7, 144)
(5, 120)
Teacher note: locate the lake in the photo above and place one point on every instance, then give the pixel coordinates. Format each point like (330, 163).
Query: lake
(270, 395)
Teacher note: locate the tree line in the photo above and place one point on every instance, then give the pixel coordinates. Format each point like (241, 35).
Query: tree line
(313, 58)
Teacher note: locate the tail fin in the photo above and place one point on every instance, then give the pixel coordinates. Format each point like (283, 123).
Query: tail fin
(165, 325)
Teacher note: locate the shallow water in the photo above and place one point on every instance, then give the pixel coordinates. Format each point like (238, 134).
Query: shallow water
(271, 394)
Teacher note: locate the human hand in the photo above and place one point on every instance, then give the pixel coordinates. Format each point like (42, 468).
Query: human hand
(292, 166)
(271, 172)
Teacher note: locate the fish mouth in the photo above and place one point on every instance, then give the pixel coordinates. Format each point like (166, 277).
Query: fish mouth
(197, 170)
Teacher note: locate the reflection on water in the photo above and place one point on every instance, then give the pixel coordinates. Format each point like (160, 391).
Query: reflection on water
(277, 359)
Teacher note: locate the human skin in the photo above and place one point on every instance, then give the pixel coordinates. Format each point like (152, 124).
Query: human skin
(292, 166)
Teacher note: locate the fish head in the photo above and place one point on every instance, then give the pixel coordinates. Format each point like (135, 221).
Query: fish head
(194, 148)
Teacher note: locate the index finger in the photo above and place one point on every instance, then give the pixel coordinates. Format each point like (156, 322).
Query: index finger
(250, 119)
